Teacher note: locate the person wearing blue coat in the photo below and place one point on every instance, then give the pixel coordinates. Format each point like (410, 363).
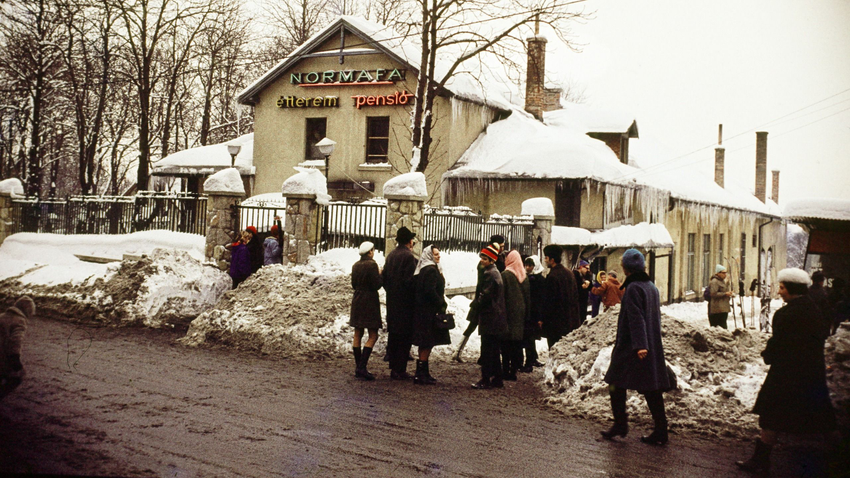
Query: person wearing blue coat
(637, 361)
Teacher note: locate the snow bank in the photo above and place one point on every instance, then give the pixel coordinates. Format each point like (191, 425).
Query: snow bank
(824, 208)
(308, 181)
(14, 186)
(719, 374)
(538, 207)
(838, 373)
(408, 184)
(225, 181)
(571, 236)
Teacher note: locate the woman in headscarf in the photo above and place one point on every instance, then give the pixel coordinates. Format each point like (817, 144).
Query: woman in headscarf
(531, 331)
(430, 286)
(517, 297)
(794, 397)
(595, 298)
(365, 307)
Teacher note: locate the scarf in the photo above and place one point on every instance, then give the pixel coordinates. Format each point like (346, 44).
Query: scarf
(538, 267)
(427, 259)
(635, 277)
(514, 264)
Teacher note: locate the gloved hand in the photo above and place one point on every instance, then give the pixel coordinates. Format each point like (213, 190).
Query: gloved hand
(15, 362)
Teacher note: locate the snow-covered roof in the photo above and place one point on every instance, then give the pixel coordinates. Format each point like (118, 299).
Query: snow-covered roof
(818, 208)
(645, 235)
(538, 207)
(407, 184)
(592, 120)
(209, 159)
(383, 40)
(571, 236)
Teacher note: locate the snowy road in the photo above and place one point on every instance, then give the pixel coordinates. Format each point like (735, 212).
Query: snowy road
(132, 402)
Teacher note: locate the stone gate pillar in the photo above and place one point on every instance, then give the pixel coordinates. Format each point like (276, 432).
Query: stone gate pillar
(6, 224)
(224, 190)
(302, 227)
(543, 212)
(409, 212)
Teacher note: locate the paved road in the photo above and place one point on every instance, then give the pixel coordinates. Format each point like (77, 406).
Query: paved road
(133, 402)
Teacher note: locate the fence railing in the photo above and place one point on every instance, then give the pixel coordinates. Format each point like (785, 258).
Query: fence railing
(111, 214)
(460, 229)
(259, 214)
(349, 225)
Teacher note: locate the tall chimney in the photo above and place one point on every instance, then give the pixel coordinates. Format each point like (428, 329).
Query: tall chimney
(775, 186)
(535, 94)
(719, 158)
(761, 165)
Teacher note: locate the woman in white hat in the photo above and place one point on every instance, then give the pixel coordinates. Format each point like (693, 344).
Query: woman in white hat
(365, 307)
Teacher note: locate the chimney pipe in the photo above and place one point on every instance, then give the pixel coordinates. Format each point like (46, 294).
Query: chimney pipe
(719, 158)
(535, 94)
(761, 165)
(775, 186)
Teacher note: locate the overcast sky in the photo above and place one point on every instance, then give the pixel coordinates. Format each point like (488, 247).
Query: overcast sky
(683, 67)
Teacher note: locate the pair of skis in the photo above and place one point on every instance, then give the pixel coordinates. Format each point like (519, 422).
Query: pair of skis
(735, 272)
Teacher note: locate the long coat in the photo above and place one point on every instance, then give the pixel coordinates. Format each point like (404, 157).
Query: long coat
(13, 326)
(490, 303)
(537, 285)
(719, 302)
(398, 282)
(561, 304)
(256, 253)
(365, 306)
(430, 300)
(609, 292)
(639, 327)
(517, 297)
(794, 397)
(240, 262)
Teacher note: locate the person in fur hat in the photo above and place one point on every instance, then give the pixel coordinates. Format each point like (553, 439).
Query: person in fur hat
(794, 397)
(366, 281)
(13, 326)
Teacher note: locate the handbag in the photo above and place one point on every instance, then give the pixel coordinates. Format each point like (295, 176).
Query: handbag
(444, 321)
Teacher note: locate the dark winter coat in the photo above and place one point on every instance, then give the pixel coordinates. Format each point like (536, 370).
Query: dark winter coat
(13, 326)
(537, 286)
(561, 304)
(639, 327)
(430, 300)
(718, 302)
(517, 296)
(398, 282)
(490, 301)
(240, 262)
(365, 306)
(583, 293)
(821, 300)
(609, 292)
(255, 248)
(794, 397)
(272, 252)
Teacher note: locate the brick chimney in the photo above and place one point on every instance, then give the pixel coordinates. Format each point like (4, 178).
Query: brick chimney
(761, 165)
(774, 194)
(535, 94)
(719, 158)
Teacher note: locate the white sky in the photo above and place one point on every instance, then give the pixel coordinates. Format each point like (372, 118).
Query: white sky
(682, 68)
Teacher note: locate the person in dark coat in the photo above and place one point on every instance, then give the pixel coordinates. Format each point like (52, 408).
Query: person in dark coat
(560, 315)
(594, 297)
(240, 259)
(637, 361)
(398, 282)
(838, 303)
(273, 245)
(498, 242)
(794, 397)
(255, 249)
(584, 282)
(430, 300)
(492, 320)
(819, 297)
(471, 317)
(365, 307)
(517, 292)
(719, 295)
(13, 327)
(531, 332)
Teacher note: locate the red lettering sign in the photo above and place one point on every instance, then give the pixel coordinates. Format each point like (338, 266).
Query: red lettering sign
(397, 98)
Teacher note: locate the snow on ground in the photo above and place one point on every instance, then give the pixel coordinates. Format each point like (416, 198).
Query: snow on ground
(696, 313)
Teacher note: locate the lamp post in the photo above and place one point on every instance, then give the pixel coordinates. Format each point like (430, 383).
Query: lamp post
(233, 149)
(326, 147)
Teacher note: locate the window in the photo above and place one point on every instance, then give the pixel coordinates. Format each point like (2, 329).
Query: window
(315, 131)
(743, 253)
(377, 139)
(692, 276)
(706, 259)
(720, 251)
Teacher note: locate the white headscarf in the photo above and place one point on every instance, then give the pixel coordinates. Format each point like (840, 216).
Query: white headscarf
(427, 259)
(538, 268)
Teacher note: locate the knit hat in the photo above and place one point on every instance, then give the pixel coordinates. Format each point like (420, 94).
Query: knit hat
(366, 247)
(793, 275)
(26, 305)
(274, 230)
(583, 263)
(718, 269)
(634, 260)
(404, 235)
(490, 252)
(252, 230)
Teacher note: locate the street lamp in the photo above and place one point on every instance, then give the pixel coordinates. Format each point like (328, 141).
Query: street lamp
(233, 149)
(326, 147)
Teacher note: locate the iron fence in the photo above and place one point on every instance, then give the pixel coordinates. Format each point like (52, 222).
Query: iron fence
(348, 225)
(111, 214)
(460, 229)
(259, 214)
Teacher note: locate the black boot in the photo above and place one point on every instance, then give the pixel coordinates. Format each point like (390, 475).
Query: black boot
(484, 383)
(655, 400)
(621, 418)
(422, 377)
(760, 461)
(357, 356)
(361, 371)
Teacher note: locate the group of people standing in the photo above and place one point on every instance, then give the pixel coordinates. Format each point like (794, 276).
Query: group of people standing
(248, 253)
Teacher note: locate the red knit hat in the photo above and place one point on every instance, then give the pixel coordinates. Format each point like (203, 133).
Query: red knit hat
(274, 229)
(252, 230)
(490, 252)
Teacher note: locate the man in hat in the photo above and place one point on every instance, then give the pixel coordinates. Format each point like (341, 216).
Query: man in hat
(584, 281)
(560, 315)
(718, 302)
(13, 326)
(398, 283)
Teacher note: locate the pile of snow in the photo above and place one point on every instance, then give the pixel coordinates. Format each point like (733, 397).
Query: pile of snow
(538, 207)
(225, 181)
(719, 375)
(13, 186)
(838, 373)
(824, 208)
(308, 181)
(407, 184)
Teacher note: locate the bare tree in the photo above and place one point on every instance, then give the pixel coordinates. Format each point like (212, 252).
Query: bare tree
(298, 20)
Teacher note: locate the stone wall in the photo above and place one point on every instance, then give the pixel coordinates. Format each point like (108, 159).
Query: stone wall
(5, 216)
(409, 212)
(301, 228)
(221, 226)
